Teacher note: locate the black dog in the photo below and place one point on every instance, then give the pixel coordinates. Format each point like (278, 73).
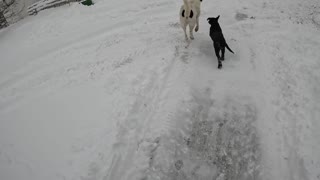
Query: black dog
(219, 42)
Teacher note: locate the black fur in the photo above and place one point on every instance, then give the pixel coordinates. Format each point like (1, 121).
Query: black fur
(219, 43)
(191, 14)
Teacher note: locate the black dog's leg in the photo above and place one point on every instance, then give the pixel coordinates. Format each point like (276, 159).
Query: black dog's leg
(222, 53)
(217, 50)
(219, 64)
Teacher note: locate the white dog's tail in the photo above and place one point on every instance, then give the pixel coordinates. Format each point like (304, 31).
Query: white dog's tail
(186, 8)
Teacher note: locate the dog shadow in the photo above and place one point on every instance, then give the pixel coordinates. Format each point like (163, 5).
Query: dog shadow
(206, 49)
(203, 44)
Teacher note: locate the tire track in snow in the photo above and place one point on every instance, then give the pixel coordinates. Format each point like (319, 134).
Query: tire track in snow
(138, 143)
(212, 139)
(293, 104)
(142, 142)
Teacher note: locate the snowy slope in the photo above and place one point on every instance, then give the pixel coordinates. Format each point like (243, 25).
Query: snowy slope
(109, 92)
(18, 10)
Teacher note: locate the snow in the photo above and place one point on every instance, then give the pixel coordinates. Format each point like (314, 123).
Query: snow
(111, 92)
(316, 19)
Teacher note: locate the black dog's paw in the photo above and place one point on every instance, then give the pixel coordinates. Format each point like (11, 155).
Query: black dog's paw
(219, 66)
(222, 59)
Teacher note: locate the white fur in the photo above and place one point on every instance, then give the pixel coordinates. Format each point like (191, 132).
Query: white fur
(193, 22)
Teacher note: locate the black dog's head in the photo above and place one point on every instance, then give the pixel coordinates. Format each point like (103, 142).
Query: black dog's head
(213, 21)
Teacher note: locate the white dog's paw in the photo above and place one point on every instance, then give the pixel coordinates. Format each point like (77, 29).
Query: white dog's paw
(197, 29)
(191, 37)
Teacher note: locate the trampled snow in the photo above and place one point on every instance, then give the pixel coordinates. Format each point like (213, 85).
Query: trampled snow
(113, 92)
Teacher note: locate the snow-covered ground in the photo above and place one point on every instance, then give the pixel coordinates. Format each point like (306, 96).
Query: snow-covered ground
(109, 92)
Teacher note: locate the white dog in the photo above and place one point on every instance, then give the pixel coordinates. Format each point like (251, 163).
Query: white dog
(189, 15)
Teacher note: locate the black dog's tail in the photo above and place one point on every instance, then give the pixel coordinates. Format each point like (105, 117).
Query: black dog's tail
(229, 48)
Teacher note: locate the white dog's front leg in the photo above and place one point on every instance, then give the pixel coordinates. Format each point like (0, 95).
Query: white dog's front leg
(197, 25)
(191, 26)
(185, 34)
(184, 27)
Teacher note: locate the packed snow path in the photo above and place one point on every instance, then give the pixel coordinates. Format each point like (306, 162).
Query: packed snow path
(109, 92)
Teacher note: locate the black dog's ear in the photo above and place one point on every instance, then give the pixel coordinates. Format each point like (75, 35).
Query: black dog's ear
(218, 17)
(209, 20)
